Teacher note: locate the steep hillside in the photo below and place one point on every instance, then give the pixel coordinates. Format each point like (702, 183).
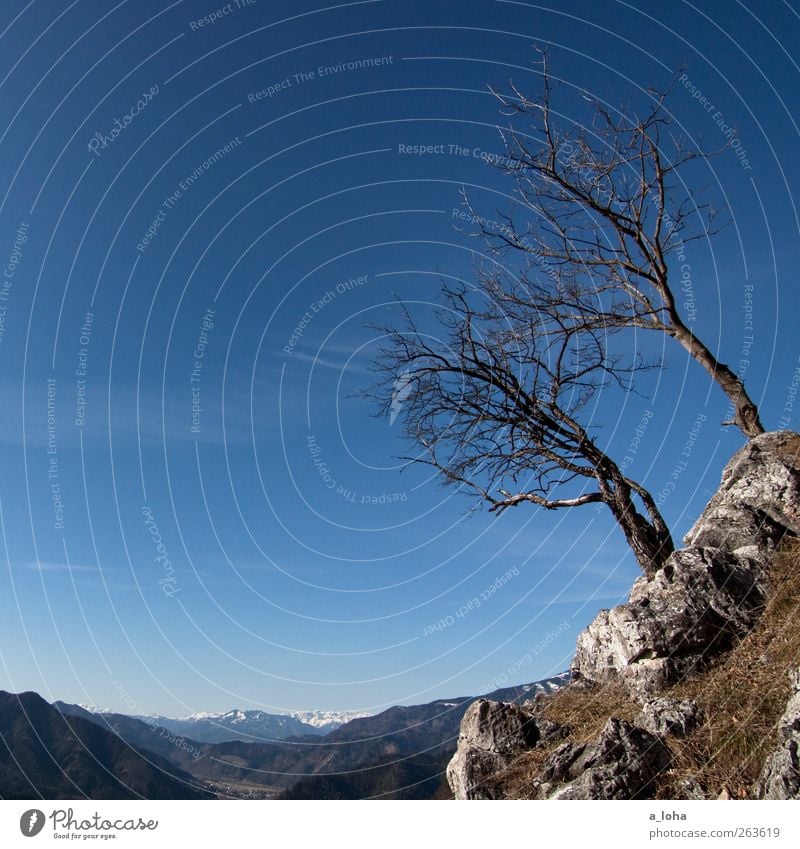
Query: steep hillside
(46, 754)
(181, 751)
(418, 777)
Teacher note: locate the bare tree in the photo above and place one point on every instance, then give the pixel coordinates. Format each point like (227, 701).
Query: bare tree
(598, 210)
(495, 398)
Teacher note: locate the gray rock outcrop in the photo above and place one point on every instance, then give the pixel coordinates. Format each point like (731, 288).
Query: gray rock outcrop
(781, 777)
(758, 501)
(622, 764)
(669, 717)
(492, 735)
(710, 592)
(689, 788)
(688, 613)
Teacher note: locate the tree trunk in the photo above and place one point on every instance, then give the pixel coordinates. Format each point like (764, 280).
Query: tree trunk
(651, 545)
(745, 412)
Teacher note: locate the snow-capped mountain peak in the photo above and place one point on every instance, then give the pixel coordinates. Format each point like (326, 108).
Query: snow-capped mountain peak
(328, 719)
(203, 714)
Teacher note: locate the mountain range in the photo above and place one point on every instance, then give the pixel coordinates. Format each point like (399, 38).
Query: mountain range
(398, 753)
(252, 726)
(65, 751)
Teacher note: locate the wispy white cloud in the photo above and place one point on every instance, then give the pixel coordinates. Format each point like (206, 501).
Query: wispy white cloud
(51, 566)
(339, 358)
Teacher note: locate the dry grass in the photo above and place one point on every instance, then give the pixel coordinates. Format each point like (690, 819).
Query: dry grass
(743, 695)
(517, 780)
(586, 711)
(788, 449)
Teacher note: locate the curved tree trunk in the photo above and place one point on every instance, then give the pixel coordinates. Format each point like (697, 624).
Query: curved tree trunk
(650, 541)
(745, 412)
(649, 538)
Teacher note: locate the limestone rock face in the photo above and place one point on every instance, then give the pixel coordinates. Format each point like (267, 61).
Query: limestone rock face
(759, 499)
(492, 735)
(469, 770)
(686, 614)
(669, 717)
(689, 788)
(781, 777)
(710, 592)
(622, 764)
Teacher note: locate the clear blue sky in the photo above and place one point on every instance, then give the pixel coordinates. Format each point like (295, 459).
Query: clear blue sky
(299, 568)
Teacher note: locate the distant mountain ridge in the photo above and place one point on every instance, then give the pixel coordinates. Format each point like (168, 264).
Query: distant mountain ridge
(249, 725)
(399, 753)
(329, 720)
(252, 726)
(178, 749)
